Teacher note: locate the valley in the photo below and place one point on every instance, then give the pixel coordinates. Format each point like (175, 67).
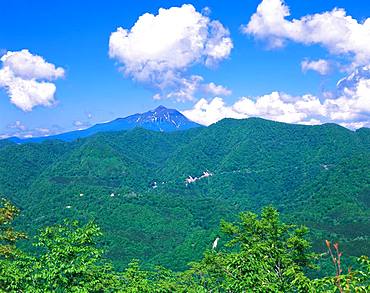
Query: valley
(315, 175)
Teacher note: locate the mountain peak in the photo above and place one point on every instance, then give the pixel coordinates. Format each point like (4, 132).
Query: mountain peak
(162, 119)
(162, 111)
(159, 119)
(160, 108)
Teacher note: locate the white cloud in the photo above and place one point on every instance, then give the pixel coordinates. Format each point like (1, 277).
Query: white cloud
(321, 66)
(335, 30)
(157, 97)
(206, 113)
(81, 124)
(275, 106)
(353, 104)
(27, 66)
(280, 107)
(18, 125)
(27, 77)
(4, 136)
(351, 108)
(78, 123)
(340, 34)
(311, 122)
(206, 11)
(19, 129)
(158, 49)
(355, 125)
(216, 90)
(185, 88)
(44, 131)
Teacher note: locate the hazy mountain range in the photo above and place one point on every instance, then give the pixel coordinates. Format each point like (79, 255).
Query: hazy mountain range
(159, 119)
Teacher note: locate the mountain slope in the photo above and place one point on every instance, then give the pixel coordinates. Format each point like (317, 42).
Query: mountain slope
(159, 119)
(133, 184)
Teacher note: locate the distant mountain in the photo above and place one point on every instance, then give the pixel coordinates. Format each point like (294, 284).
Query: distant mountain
(159, 119)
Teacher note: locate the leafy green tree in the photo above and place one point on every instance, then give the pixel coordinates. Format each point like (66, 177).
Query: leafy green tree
(160, 280)
(264, 255)
(261, 254)
(12, 268)
(135, 279)
(70, 260)
(8, 236)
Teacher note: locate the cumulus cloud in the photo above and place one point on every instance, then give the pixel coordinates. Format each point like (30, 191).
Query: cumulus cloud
(351, 108)
(353, 105)
(208, 112)
(216, 90)
(341, 35)
(26, 78)
(275, 106)
(355, 125)
(185, 88)
(158, 49)
(321, 66)
(338, 32)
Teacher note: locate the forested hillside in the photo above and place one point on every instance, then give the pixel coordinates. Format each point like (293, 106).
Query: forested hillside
(262, 254)
(133, 184)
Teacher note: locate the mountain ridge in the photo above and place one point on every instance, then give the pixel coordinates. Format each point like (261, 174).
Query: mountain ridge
(159, 119)
(138, 193)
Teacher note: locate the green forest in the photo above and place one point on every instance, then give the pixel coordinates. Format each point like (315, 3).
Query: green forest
(262, 254)
(144, 209)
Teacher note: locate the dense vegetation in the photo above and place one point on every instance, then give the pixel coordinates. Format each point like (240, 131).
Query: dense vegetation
(262, 254)
(132, 184)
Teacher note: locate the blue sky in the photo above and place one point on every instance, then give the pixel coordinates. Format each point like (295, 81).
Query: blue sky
(74, 36)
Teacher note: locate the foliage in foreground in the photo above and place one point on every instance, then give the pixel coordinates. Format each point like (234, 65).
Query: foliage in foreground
(262, 254)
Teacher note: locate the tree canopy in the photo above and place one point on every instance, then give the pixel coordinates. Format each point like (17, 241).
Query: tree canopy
(258, 253)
